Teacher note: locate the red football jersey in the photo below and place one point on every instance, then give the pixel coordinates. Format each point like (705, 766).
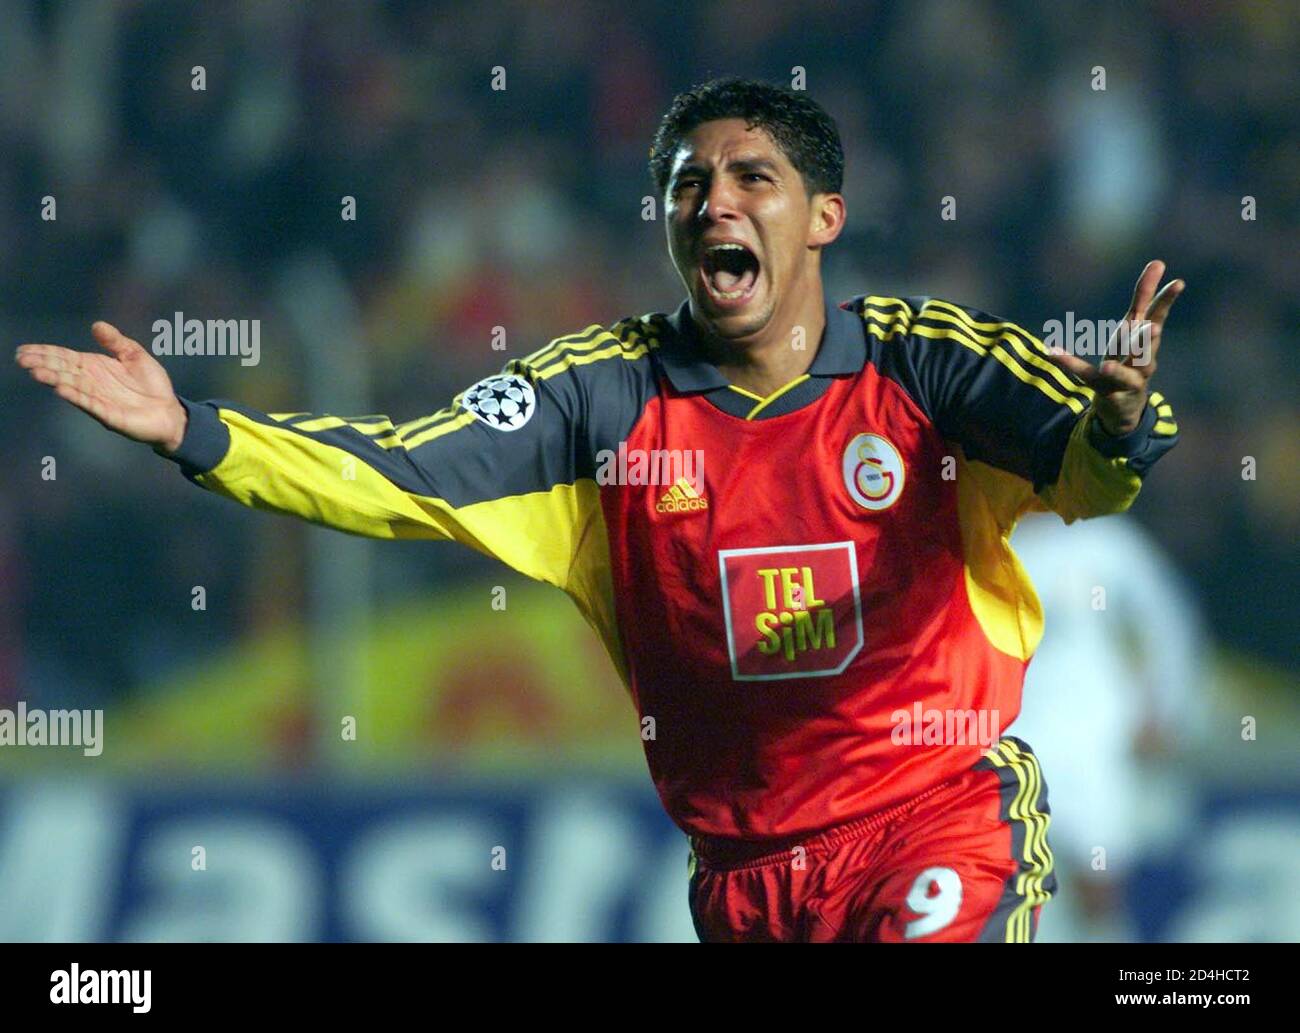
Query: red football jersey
(811, 596)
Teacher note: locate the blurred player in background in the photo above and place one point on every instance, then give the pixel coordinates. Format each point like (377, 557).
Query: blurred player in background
(1115, 690)
(779, 613)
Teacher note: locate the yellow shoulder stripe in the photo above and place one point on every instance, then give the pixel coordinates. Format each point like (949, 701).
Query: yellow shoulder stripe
(990, 339)
(1019, 372)
(876, 299)
(589, 337)
(561, 354)
(992, 333)
(463, 420)
(579, 349)
(408, 429)
(331, 422)
(616, 350)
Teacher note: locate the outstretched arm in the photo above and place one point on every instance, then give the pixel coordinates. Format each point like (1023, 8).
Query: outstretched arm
(507, 468)
(501, 479)
(1036, 430)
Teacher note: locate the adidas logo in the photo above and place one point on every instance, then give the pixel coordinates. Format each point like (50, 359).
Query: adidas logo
(681, 498)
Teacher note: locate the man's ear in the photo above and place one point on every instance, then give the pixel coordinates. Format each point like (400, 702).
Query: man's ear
(827, 219)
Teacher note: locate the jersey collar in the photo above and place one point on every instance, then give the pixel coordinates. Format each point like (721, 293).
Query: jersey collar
(843, 350)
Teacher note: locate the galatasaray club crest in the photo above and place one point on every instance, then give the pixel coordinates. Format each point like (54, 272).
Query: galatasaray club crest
(873, 472)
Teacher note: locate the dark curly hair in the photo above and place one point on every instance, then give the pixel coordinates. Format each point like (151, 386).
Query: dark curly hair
(797, 123)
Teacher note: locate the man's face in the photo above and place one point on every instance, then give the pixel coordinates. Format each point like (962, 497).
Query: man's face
(740, 224)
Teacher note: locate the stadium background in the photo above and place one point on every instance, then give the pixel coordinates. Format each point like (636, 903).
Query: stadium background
(522, 208)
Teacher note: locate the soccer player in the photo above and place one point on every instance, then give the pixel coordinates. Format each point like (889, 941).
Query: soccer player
(787, 520)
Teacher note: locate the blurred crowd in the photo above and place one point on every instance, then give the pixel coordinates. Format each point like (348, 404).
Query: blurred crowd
(523, 208)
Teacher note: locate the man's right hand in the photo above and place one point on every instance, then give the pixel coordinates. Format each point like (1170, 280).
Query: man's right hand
(127, 390)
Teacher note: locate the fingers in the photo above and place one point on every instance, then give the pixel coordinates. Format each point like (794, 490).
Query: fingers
(1146, 318)
(1081, 368)
(1145, 289)
(112, 340)
(1115, 376)
(47, 356)
(92, 382)
(52, 356)
(72, 385)
(1164, 301)
(1134, 343)
(1109, 377)
(54, 372)
(60, 368)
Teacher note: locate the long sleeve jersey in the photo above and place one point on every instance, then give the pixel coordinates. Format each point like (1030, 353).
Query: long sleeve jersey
(792, 587)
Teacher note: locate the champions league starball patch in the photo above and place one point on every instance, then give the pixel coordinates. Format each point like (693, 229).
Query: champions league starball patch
(505, 401)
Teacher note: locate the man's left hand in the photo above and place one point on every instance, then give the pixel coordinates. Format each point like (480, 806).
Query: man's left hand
(1121, 381)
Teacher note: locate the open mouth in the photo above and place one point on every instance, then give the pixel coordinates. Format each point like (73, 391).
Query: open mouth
(730, 271)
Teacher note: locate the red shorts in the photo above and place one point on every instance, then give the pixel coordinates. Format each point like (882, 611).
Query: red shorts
(963, 862)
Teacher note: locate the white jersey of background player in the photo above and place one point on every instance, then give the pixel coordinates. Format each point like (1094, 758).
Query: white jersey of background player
(1117, 684)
